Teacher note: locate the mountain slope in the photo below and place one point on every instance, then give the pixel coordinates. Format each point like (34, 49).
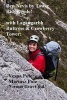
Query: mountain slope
(54, 26)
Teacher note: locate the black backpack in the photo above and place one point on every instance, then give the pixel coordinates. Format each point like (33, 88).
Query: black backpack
(51, 51)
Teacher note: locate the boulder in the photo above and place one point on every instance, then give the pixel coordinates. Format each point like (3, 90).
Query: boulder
(19, 80)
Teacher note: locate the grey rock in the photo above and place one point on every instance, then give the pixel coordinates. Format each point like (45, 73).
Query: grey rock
(19, 80)
(10, 55)
(2, 63)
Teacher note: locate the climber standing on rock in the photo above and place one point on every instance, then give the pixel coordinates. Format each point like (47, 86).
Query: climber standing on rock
(37, 61)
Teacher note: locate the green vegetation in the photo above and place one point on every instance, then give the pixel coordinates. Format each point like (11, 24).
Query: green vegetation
(59, 7)
(61, 80)
(59, 34)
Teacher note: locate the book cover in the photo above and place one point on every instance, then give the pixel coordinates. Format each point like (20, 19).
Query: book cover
(19, 19)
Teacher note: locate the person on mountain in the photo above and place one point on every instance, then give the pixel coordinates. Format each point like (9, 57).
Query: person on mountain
(34, 49)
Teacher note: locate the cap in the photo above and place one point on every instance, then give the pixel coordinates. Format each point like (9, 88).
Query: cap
(34, 38)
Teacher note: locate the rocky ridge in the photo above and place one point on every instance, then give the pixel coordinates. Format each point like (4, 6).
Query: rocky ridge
(19, 80)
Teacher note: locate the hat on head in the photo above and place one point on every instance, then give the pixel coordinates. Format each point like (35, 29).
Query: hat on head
(34, 38)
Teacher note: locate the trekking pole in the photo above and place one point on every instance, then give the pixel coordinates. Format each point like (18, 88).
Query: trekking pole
(56, 69)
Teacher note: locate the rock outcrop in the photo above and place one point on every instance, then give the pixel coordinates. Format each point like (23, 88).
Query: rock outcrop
(19, 80)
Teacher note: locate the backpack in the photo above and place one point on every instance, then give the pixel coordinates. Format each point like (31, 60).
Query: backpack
(51, 51)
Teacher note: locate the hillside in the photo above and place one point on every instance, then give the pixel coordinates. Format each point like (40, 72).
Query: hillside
(19, 80)
(50, 19)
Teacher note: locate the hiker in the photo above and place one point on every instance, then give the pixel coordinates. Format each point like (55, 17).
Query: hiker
(37, 61)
